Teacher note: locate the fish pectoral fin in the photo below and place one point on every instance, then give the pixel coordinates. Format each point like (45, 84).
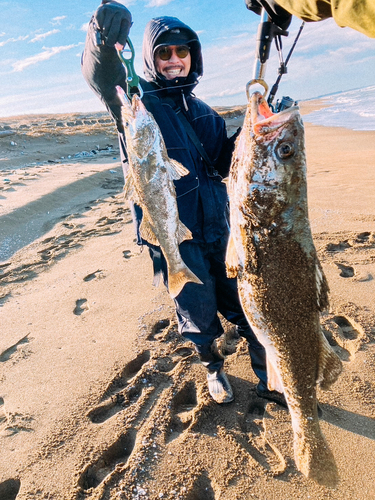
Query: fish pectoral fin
(273, 379)
(184, 233)
(330, 365)
(147, 232)
(176, 170)
(129, 188)
(231, 259)
(322, 287)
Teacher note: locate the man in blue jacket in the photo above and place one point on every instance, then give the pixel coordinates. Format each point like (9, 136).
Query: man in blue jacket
(172, 61)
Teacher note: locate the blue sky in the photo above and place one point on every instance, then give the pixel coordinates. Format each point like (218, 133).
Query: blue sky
(41, 43)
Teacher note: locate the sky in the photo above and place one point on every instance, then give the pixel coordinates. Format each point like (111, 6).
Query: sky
(41, 42)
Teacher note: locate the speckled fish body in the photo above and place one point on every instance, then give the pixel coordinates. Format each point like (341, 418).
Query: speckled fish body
(281, 283)
(149, 183)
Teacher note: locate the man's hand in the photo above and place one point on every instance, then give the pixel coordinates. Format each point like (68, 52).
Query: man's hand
(278, 15)
(113, 21)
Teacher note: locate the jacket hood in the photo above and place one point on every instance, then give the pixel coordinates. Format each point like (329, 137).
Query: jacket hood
(155, 33)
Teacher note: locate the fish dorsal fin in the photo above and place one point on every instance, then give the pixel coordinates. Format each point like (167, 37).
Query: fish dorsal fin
(184, 233)
(330, 365)
(176, 170)
(273, 380)
(147, 231)
(231, 259)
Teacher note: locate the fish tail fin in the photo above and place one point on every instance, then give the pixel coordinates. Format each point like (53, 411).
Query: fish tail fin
(330, 365)
(177, 280)
(315, 459)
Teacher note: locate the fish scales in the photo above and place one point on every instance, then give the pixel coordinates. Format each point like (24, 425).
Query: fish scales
(282, 286)
(149, 183)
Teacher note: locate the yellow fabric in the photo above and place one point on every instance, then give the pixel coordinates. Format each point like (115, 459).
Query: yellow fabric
(356, 14)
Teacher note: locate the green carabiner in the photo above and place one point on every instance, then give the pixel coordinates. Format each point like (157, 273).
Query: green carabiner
(126, 56)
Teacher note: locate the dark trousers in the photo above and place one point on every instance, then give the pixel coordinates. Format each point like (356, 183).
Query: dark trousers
(197, 305)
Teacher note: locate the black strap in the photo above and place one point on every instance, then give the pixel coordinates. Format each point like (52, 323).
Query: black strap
(194, 138)
(211, 171)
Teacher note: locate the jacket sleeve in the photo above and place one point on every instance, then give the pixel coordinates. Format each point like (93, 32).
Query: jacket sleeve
(356, 14)
(100, 64)
(224, 160)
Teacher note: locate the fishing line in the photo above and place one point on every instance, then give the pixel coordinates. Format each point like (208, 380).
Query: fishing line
(167, 88)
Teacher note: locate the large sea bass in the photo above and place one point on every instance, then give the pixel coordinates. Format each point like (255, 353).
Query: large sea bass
(281, 283)
(149, 183)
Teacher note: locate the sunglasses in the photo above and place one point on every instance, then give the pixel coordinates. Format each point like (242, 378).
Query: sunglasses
(165, 52)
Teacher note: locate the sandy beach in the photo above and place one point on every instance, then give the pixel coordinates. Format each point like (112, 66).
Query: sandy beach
(100, 398)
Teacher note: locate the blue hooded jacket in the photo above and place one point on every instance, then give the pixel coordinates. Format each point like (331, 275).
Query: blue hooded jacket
(201, 197)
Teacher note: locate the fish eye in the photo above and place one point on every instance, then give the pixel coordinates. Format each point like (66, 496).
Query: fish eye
(285, 150)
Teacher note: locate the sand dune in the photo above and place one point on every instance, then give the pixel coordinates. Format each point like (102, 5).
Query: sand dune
(99, 396)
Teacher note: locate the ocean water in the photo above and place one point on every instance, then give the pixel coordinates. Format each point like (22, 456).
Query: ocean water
(353, 109)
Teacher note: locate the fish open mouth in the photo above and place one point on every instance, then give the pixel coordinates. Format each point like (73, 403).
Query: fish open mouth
(263, 119)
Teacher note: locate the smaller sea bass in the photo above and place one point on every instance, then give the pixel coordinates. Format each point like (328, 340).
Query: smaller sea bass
(149, 183)
(281, 283)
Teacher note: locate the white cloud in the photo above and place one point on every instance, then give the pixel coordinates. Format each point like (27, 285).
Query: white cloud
(57, 20)
(42, 36)
(12, 40)
(84, 27)
(158, 3)
(42, 56)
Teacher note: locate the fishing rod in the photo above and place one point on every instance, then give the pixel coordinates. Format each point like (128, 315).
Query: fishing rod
(267, 32)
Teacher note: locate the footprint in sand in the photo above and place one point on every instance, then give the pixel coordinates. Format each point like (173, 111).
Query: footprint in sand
(127, 254)
(119, 393)
(365, 239)
(345, 271)
(13, 423)
(259, 432)
(12, 350)
(118, 453)
(9, 489)
(343, 334)
(95, 275)
(161, 331)
(182, 411)
(338, 247)
(131, 383)
(81, 307)
(3, 416)
(201, 489)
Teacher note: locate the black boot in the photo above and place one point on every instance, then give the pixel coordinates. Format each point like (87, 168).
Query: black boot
(218, 383)
(276, 397)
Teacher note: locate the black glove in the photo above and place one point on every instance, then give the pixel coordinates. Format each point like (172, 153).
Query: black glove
(278, 14)
(113, 20)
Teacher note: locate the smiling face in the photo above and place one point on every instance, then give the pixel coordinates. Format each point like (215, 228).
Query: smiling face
(170, 63)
